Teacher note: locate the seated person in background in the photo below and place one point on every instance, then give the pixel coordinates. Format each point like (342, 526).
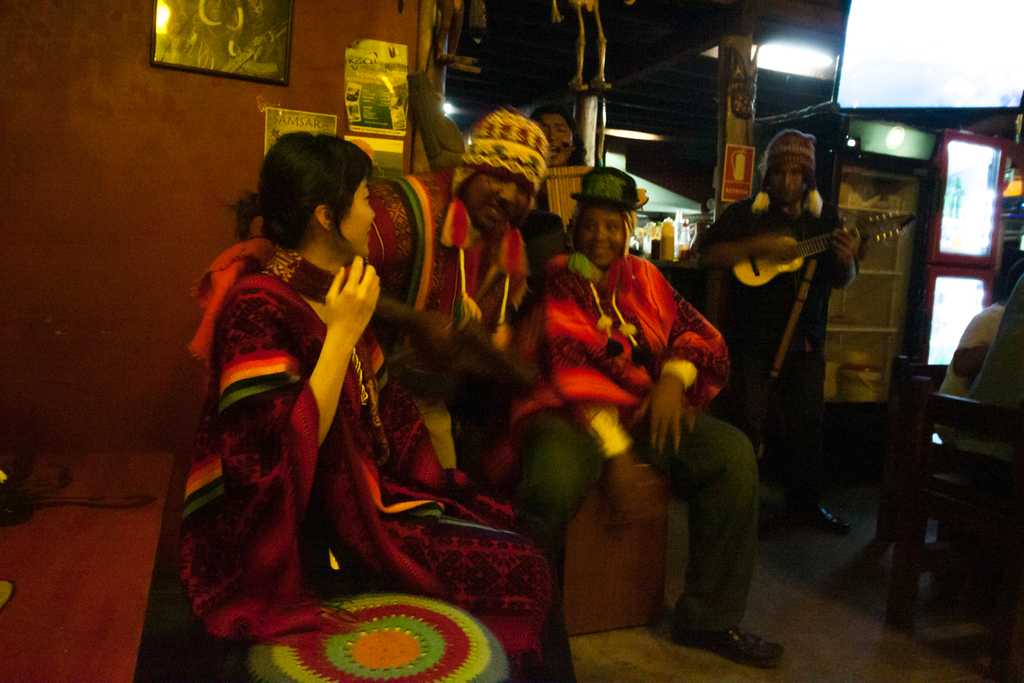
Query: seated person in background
(300, 450)
(1001, 378)
(448, 240)
(973, 346)
(628, 365)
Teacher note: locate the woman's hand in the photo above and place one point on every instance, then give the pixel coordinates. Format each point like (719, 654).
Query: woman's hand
(668, 408)
(350, 302)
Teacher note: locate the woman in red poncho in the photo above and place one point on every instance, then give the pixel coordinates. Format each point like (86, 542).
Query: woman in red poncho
(301, 451)
(628, 367)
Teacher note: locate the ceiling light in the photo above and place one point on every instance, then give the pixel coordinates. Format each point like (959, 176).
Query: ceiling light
(793, 59)
(790, 58)
(895, 137)
(448, 108)
(633, 134)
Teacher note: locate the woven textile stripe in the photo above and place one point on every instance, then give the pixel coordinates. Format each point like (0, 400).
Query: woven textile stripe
(205, 483)
(255, 373)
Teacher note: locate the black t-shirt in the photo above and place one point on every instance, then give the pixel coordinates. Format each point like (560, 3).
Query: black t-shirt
(758, 315)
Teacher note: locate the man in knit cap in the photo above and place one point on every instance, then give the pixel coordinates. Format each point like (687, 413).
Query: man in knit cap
(767, 228)
(448, 240)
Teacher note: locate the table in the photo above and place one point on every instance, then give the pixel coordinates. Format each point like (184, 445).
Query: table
(82, 574)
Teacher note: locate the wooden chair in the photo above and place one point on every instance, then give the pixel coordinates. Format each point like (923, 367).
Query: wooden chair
(893, 469)
(614, 571)
(939, 484)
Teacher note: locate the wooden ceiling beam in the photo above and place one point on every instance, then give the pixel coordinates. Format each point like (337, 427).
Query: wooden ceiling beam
(818, 16)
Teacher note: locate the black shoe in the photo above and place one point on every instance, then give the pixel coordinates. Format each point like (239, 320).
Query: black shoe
(733, 644)
(823, 518)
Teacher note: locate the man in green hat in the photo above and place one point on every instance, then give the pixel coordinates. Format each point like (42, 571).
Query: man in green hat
(627, 369)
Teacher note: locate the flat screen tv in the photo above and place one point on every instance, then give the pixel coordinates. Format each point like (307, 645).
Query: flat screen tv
(902, 54)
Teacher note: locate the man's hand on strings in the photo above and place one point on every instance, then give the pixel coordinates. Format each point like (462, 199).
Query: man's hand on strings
(845, 245)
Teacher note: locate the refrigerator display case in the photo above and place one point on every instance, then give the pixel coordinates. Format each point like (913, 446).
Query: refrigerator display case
(964, 242)
(865, 324)
(954, 296)
(970, 176)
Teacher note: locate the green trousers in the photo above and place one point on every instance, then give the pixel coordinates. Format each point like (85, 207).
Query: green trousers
(714, 470)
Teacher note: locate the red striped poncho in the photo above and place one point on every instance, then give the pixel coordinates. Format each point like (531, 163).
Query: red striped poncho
(574, 353)
(259, 475)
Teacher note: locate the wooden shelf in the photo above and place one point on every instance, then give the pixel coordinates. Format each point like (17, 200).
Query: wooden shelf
(868, 209)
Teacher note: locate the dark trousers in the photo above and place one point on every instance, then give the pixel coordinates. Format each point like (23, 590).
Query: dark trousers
(713, 470)
(788, 414)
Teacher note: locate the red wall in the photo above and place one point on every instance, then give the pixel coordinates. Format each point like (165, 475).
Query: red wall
(114, 181)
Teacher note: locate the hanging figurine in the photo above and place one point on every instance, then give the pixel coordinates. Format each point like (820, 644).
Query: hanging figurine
(594, 7)
(447, 33)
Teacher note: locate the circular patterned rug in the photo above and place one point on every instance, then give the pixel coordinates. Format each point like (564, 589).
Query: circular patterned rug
(399, 638)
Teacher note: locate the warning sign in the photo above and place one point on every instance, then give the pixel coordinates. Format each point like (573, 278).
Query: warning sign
(738, 176)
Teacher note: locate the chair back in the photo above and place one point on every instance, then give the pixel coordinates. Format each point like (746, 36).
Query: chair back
(561, 184)
(894, 469)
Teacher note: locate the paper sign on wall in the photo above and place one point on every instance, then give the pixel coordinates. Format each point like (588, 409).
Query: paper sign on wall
(388, 155)
(280, 121)
(738, 176)
(376, 91)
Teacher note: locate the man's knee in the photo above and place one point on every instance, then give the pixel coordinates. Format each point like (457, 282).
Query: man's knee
(560, 464)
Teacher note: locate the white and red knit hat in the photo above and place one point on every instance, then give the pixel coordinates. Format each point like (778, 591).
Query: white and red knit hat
(790, 147)
(504, 142)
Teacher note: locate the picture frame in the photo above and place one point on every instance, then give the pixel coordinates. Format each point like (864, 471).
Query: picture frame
(246, 39)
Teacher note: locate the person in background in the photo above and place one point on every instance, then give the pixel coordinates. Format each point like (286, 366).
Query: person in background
(303, 455)
(768, 226)
(627, 367)
(543, 230)
(564, 147)
(1001, 377)
(448, 241)
(977, 337)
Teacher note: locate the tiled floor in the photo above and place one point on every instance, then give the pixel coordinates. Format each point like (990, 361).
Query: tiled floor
(823, 597)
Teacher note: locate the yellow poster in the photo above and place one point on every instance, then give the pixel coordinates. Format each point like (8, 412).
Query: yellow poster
(376, 91)
(388, 155)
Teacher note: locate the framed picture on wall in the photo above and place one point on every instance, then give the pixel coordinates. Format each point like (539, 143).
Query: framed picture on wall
(248, 39)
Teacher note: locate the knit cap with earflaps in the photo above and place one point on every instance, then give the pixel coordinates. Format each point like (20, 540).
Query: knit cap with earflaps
(790, 146)
(506, 144)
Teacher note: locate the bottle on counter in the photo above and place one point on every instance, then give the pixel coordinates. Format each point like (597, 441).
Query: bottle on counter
(668, 240)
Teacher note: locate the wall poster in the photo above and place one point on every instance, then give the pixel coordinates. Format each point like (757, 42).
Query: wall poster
(280, 121)
(376, 91)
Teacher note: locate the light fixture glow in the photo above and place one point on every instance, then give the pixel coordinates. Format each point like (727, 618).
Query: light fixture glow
(790, 58)
(163, 17)
(633, 134)
(448, 108)
(851, 142)
(895, 137)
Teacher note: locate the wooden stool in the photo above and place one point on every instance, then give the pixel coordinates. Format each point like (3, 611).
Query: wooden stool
(614, 571)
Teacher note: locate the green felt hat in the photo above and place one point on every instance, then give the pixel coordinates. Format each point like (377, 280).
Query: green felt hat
(606, 185)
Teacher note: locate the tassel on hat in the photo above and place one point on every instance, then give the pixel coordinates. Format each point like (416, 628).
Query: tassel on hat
(813, 203)
(456, 231)
(761, 202)
(511, 260)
